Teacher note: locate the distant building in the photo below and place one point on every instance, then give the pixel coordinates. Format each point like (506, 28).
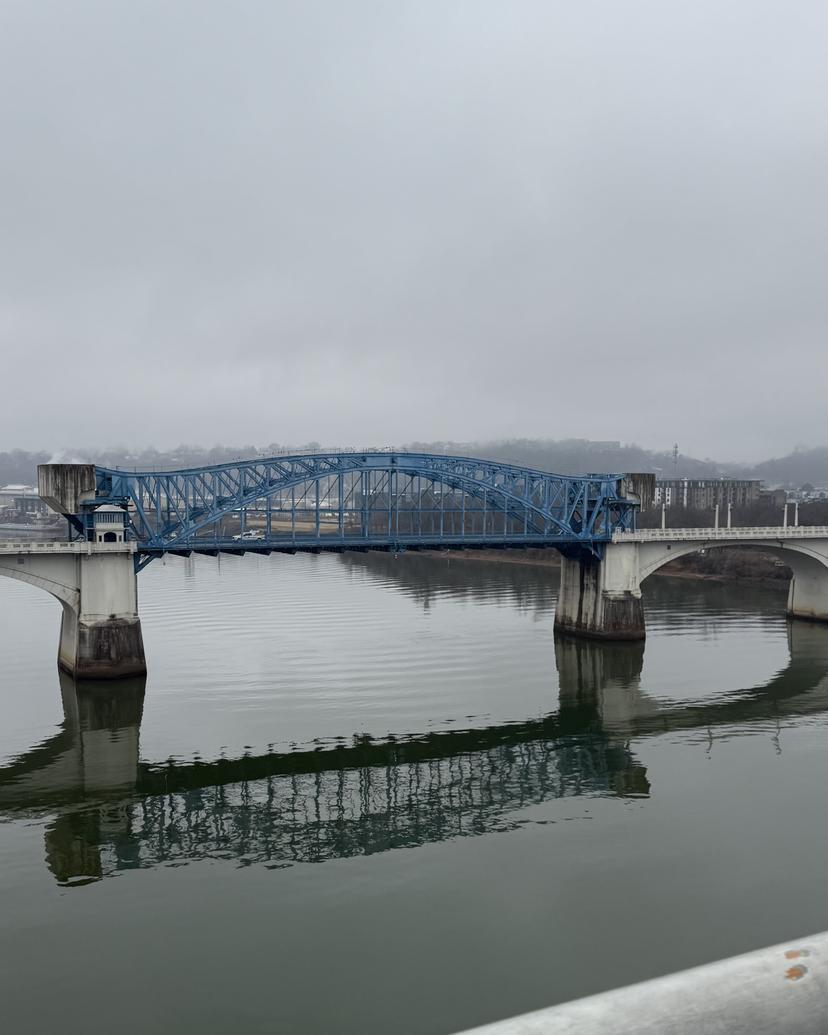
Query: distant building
(705, 493)
(21, 500)
(808, 494)
(776, 497)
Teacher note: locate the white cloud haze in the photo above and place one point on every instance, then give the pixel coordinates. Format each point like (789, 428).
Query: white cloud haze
(374, 222)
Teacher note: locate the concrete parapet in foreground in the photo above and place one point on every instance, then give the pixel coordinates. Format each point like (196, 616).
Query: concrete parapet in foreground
(780, 989)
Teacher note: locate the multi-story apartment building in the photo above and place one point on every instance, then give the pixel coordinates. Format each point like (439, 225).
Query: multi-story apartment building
(705, 493)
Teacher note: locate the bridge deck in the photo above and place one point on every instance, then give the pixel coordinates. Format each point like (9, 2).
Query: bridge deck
(775, 532)
(333, 542)
(279, 544)
(33, 546)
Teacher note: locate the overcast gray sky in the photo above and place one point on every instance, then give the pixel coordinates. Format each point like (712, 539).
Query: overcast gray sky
(372, 222)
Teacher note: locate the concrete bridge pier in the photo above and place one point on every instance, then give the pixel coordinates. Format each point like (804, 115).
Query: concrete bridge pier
(96, 584)
(808, 589)
(102, 639)
(601, 597)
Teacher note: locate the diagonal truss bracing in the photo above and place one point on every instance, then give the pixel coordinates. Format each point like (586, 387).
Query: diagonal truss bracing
(379, 499)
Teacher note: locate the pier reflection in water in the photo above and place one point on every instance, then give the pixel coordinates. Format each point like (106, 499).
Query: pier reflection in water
(499, 819)
(113, 812)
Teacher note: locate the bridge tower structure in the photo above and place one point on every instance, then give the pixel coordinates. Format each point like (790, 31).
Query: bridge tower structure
(93, 576)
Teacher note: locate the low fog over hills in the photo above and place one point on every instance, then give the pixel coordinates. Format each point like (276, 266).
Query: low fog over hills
(566, 456)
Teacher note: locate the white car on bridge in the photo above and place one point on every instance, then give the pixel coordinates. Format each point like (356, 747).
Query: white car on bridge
(250, 534)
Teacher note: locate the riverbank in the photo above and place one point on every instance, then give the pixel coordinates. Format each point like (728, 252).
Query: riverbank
(732, 565)
(549, 558)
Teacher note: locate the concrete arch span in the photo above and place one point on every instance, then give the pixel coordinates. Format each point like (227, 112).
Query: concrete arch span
(58, 576)
(601, 596)
(807, 559)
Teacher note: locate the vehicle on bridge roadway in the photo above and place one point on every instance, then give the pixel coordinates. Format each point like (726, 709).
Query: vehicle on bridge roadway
(250, 534)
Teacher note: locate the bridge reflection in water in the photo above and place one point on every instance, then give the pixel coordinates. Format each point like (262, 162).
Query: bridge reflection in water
(114, 812)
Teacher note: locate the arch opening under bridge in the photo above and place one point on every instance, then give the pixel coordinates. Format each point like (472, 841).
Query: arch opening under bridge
(806, 557)
(799, 556)
(602, 596)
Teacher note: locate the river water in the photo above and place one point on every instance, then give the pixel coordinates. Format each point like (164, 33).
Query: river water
(366, 794)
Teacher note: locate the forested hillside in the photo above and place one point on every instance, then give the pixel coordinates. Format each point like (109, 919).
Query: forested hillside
(565, 456)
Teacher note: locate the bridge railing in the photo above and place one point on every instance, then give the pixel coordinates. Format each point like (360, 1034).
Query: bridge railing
(31, 546)
(759, 532)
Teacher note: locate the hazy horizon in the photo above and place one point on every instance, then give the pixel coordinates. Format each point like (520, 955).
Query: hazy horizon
(380, 223)
(248, 449)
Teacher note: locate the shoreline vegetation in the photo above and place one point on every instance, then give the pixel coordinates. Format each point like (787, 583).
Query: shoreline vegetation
(561, 456)
(720, 564)
(724, 565)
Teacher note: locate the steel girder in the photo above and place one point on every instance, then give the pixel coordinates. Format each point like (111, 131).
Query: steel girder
(169, 508)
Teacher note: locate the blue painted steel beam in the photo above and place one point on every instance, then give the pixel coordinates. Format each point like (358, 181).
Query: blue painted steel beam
(367, 499)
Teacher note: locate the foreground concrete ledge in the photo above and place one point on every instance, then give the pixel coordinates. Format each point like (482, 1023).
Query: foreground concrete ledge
(780, 989)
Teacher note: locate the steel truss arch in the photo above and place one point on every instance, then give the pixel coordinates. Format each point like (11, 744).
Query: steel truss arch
(170, 508)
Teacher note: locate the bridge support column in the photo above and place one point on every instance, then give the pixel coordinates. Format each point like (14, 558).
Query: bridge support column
(808, 590)
(601, 598)
(103, 640)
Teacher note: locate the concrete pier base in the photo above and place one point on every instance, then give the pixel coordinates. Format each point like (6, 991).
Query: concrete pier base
(112, 648)
(601, 598)
(102, 638)
(808, 590)
(96, 584)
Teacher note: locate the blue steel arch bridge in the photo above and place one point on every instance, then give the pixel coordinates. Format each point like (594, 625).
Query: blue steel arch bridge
(391, 500)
